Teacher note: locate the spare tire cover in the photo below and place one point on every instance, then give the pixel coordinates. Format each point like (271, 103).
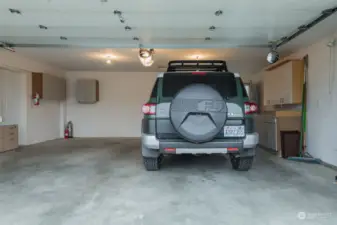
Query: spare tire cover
(198, 113)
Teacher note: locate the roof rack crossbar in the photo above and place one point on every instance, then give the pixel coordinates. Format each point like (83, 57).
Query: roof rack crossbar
(204, 65)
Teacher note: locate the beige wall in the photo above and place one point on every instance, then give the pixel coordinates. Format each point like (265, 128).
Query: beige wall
(118, 112)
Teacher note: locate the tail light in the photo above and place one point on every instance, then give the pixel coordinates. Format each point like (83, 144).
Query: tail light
(199, 73)
(149, 109)
(250, 108)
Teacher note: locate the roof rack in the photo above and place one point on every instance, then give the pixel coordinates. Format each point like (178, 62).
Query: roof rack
(200, 65)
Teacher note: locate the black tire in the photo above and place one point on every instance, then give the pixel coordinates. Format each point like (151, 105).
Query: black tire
(241, 164)
(152, 164)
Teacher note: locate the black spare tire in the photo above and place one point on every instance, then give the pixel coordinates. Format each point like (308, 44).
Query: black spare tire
(198, 113)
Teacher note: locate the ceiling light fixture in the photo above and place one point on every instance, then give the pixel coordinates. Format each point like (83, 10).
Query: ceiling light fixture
(136, 38)
(146, 57)
(207, 38)
(109, 59)
(127, 28)
(212, 28)
(273, 56)
(15, 11)
(63, 38)
(42, 27)
(218, 13)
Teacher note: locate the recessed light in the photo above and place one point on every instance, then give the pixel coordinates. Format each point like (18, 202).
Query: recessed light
(127, 28)
(15, 11)
(212, 28)
(218, 13)
(117, 12)
(108, 61)
(42, 27)
(207, 38)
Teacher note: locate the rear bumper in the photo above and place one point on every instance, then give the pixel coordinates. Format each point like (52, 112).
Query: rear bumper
(249, 142)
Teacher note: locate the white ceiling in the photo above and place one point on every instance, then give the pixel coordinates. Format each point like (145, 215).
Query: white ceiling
(125, 59)
(161, 24)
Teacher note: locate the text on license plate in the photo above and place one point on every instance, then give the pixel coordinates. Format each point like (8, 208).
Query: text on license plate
(234, 131)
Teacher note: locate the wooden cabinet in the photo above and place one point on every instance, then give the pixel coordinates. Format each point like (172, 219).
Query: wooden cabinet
(87, 91)
(284, 84)
(8, 137)
(48, 87)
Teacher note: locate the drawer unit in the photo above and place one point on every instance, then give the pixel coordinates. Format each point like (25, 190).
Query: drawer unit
(8, 137)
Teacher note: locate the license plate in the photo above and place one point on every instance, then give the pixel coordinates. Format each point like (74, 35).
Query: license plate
(234, 131)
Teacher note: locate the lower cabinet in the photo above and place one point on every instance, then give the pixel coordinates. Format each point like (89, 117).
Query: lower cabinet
(8, 137)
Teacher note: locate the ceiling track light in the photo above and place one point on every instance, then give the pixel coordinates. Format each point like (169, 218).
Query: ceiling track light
(305, 27)
(218, 13)
(135, 38)
(118, 13)
(120, 16)
(63, 38)
(42, 27)
(15, 11)
(207, 38)
(212, 28)
(127, 28)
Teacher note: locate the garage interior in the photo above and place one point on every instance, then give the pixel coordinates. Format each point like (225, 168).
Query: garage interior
(97, 177)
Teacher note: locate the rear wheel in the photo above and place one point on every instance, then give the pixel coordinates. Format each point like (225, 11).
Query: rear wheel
(152, 163)
(241, 163)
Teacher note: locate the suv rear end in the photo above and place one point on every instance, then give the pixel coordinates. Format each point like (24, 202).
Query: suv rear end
(199, 112)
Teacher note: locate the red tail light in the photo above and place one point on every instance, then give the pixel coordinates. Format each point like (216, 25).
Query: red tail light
(149, 109)
(199, 73)
(250, 108)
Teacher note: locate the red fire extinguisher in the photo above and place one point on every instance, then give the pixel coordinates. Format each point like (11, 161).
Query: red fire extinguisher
(66, 133)
(36, 99)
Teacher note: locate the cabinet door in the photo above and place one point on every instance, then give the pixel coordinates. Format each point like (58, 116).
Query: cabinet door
(268, 89)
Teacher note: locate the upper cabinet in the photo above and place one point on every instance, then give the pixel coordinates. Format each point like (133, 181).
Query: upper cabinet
(283, 83)
(49, 87)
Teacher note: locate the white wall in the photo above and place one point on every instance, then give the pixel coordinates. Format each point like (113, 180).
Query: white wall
(118, 113)
(38, 123)
(13, 108)
(321, 100)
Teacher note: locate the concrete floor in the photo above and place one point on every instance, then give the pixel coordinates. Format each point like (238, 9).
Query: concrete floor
(102, 181)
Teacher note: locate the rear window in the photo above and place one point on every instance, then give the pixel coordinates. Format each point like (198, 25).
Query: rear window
(244, 89)
(225, 84)
(154, 90)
